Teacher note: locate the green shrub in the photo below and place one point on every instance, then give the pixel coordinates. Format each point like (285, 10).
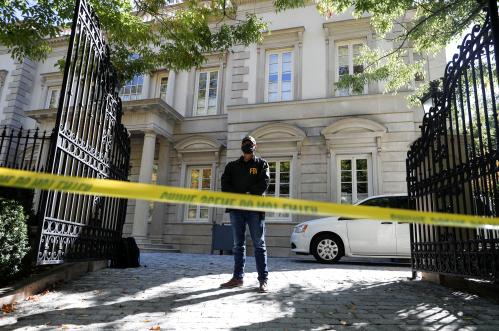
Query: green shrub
(23, 197)
(13, 238)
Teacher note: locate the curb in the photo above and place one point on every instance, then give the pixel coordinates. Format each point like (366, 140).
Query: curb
(36, 284)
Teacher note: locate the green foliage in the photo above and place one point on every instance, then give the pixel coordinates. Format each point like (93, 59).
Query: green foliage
(427, 26)
(179, 36)
(13, 238)
(381, 66)
(176, 37)
(421, 94)
(282, 5)
(24, 197)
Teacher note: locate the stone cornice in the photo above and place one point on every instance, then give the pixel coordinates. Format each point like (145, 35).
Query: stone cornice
(337, 28)
(294, 30)
(145, 105)
(40, 115)
(341, 99)
(293, 35)
(155, 104)
(207, 117)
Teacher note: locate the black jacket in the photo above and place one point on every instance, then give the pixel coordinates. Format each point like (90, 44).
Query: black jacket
(251, 177)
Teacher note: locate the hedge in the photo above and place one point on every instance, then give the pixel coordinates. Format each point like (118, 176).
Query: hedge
(13, 238)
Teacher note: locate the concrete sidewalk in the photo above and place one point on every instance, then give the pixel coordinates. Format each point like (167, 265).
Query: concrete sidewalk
(180, 291)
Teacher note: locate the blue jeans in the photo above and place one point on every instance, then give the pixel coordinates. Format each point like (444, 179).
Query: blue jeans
(238, 220)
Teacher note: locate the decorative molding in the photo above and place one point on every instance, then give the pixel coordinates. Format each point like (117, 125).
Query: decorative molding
(348, 29)
(284, 138)
(355, 132)
(52, 78)
(154, 104)
(354, 125)
(199, 146)
(295, 33)
(215, 59)
(278, 132)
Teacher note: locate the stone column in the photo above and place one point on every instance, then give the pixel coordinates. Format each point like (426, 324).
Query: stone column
(260, 74)
(299, 58)
(329, 67)
(170, 88)
(191, 88)
(18, 93)
(159, 212)
(220, 88)
(146, 90)
(139, 229)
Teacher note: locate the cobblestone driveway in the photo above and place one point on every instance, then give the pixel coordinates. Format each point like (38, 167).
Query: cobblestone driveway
(180, 291)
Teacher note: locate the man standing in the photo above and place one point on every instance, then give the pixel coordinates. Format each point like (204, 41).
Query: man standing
(248, 175)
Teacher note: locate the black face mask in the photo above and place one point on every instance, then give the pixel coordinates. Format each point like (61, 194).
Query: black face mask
(248, 149)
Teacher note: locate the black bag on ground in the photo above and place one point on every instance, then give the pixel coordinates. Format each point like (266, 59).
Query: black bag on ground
(128, 255)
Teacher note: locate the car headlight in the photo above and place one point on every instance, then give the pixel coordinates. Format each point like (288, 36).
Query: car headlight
(301, 228)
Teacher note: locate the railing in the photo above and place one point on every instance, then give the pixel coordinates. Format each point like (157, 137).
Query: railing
(454, 166)
(24, 149)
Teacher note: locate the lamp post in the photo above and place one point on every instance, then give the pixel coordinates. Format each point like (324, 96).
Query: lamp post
(429, 99)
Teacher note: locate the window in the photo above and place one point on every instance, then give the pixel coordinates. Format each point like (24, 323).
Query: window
(355, 182)
(52, 97)
(206, 93)
(163, 85)
(280, 185)
(279, 76)
(198, 178)
(347, 54)
(132, 89)
(401, 202)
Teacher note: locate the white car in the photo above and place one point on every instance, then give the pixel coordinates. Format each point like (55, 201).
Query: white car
(328, 239)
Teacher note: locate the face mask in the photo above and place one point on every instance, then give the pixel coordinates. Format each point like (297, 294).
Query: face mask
(248, 149)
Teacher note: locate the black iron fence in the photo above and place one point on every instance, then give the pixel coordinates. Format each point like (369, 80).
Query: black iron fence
(454, 165)
(24, 149)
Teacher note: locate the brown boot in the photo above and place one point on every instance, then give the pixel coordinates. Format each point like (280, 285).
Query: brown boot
(263, 288)
(234, 282)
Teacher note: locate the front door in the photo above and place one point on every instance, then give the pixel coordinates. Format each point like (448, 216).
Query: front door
(354, 178)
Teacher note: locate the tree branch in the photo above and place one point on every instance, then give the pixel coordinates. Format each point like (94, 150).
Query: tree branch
(412, 30)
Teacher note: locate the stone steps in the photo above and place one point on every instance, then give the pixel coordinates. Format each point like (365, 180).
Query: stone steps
(158, 248)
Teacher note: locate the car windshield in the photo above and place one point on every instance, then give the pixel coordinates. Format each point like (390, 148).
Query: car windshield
(400, 202)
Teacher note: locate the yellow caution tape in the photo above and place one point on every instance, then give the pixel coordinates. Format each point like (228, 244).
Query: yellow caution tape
(128, 190)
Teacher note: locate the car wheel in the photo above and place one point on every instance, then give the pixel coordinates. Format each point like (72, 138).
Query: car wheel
(327, 248)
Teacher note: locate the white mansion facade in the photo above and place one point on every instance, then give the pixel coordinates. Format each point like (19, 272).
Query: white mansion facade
(321, 143)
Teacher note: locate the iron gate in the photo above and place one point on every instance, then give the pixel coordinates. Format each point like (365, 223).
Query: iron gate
(453, 167)
(89, 141)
